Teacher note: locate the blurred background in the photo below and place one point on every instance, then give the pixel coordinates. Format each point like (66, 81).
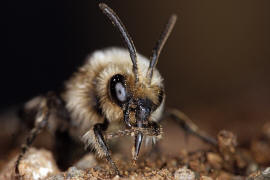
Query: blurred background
(215, 63)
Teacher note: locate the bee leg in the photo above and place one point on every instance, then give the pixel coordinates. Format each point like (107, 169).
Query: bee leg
(38, 111)
(96, 139)
(40, 122)
(190, 127)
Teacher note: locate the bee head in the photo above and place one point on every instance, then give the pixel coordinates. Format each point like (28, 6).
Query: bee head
(137, 99)
(136, 94)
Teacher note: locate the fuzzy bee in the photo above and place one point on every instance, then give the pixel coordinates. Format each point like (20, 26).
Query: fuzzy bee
(114, 86)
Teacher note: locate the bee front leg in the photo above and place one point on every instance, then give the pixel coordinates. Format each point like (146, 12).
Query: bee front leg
(189, 126)
(95, 139)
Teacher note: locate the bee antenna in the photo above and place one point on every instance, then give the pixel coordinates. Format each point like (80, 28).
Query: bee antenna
(159, 45)
(129, 43)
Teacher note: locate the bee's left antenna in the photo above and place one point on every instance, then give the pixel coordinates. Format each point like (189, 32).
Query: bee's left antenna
(130, 45)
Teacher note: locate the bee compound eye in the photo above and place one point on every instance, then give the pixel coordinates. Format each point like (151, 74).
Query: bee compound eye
(120, 91)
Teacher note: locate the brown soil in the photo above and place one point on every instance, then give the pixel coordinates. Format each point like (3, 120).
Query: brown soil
(228, 160)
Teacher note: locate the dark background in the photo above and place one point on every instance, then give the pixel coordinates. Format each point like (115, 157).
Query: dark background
(215, 64)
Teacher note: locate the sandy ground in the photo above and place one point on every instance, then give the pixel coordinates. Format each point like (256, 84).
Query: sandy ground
(174, 157)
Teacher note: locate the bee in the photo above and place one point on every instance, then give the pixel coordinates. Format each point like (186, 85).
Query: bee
(114, 86)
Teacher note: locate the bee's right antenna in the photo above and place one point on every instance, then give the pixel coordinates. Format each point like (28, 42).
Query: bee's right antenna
(130, 45)
(159, 45)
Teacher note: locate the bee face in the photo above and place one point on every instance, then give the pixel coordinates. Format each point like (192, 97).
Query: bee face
(140, 99)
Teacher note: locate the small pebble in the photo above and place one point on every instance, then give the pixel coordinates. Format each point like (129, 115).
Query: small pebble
(184, 174)
(206, 178)
(116, 177)
(266, 173)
